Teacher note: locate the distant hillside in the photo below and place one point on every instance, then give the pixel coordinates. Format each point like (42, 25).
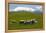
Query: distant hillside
(23, 15)
(35, 12)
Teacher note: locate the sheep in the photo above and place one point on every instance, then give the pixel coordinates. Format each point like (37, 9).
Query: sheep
(32, 21)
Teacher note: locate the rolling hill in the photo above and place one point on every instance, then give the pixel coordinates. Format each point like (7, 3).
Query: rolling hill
(24, 15)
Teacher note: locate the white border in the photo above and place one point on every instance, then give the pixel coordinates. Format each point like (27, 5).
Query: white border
(2, 16)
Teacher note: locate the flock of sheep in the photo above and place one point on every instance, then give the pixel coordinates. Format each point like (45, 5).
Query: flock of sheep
(32, 21)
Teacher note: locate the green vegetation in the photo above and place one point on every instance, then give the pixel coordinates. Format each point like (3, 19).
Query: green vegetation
(23, 15)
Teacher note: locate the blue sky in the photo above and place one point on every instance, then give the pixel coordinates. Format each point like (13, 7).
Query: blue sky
(13, 6)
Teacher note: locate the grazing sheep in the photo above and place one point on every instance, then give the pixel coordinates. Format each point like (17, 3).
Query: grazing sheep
(21, 21)
(28, 22)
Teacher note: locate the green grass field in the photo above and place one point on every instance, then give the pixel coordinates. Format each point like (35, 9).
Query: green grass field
(23, 15)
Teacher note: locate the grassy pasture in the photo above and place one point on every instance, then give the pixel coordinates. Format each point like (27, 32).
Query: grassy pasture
(23, 15)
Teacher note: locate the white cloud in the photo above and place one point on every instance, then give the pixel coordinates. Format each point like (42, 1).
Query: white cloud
(11, 10)
(39, 8)
(24, 8)
(27, 9)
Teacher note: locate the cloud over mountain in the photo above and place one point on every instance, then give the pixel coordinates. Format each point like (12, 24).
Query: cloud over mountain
(37, 9)
(24, 8)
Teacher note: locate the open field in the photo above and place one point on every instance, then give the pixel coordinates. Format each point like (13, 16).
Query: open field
(23, 15)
